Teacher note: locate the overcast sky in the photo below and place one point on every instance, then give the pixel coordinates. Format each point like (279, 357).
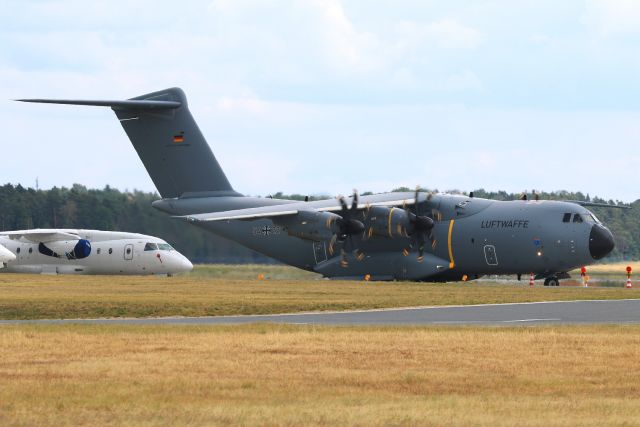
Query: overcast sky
(322, 96)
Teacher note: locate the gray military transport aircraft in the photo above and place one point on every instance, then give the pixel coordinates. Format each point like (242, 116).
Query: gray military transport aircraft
(391, 236)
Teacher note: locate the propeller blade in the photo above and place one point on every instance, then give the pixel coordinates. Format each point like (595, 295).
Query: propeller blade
(365, 211)
(354, 203)
(420, 241)
(343, 261)
(415, 200)
(343, 204)
(330, 222)
(332, 243)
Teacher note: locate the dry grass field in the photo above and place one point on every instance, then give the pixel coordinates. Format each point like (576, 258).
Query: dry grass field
(40, 297)
(252, 271)
(614, 269)
(303, 375)
(279, 272)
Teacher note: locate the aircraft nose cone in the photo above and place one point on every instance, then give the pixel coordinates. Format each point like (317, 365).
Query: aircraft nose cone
(600, 242)
(186, 265)
(181, 264)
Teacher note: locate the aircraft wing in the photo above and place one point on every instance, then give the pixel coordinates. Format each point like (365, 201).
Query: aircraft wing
(598, 205)
(40, 236)
(288, 209)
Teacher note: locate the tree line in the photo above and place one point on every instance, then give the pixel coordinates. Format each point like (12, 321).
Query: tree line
(112, 209)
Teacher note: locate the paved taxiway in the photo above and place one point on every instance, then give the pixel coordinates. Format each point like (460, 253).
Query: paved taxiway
(600, 311)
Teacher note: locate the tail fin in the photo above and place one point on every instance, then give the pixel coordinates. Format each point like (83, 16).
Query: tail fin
(169, 143)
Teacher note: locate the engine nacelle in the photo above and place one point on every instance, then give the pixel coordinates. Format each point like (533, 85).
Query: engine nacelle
(69, 249)
(310, 225)
(387, 222)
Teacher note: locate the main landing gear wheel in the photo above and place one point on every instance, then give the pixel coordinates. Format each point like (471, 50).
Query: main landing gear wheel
(551, 281)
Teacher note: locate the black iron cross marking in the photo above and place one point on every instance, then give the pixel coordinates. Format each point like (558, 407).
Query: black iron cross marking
(266, 230)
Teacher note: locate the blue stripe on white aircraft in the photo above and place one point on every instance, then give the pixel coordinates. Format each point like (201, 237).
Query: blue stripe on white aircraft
(67, 251)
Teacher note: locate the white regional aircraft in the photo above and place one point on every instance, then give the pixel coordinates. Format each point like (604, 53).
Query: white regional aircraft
(67, 251)
(5, 255)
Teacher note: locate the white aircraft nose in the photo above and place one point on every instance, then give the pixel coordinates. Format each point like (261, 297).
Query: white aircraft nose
(186, 264)
(180, 263)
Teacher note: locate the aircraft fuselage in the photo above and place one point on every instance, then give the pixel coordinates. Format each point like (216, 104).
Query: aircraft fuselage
(108, 252)
(473, 237)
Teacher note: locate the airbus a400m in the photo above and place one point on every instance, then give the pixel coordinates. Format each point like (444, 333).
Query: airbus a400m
(391, 236)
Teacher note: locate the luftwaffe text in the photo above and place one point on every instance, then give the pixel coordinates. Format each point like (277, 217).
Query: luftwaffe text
(509, 223)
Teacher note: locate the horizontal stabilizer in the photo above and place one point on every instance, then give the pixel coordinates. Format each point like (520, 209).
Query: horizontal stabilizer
(130, 104)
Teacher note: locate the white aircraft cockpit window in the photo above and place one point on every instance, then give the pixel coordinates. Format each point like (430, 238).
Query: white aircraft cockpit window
(566, 217)
(151, 247)
(98, 251)
(110, 251)
(18, 250)
(577, 218)
(165, 247)
(588, 218)
(30, 250)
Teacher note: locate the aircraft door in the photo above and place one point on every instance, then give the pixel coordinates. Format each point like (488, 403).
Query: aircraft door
(319, 252)
(490, 255)
(128, 252)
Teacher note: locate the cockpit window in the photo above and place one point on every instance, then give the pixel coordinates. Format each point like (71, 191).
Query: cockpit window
(580, 218)
(566, 217)
(151, 247)
(165, 247)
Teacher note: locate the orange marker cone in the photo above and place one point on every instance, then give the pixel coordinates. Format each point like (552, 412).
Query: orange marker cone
(628, 285)
(531, 282)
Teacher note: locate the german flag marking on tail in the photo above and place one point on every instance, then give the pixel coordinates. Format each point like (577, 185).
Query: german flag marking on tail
(177, 139)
